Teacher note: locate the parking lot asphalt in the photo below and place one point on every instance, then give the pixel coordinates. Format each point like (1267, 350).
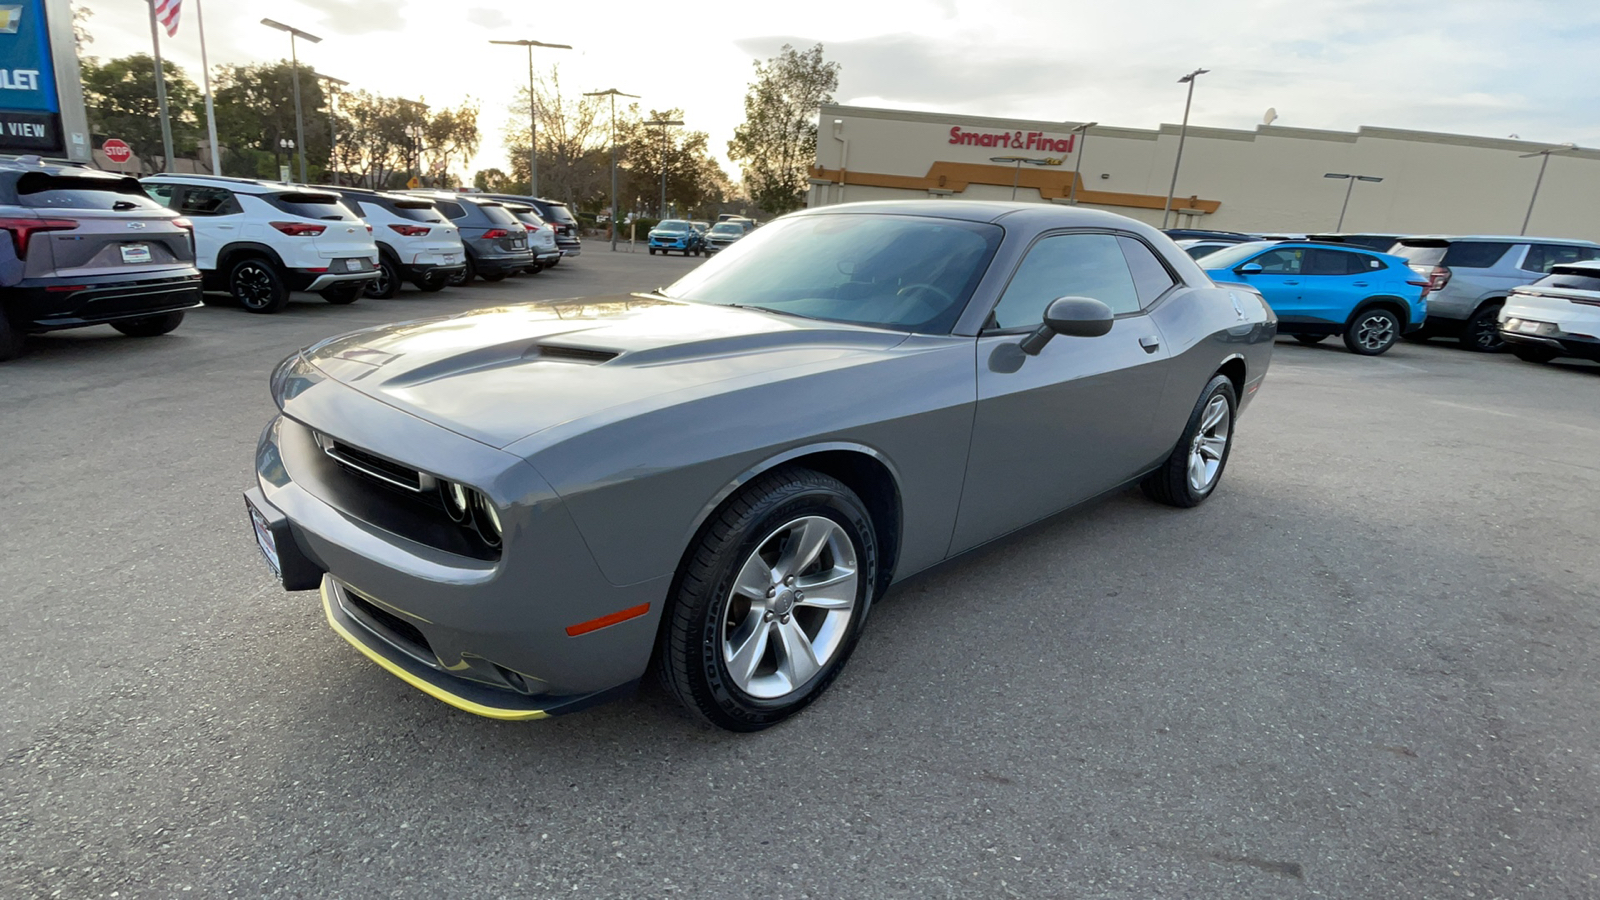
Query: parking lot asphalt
(1367, 667)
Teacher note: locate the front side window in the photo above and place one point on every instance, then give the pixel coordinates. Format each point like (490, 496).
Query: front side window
(1067, 265)
(1282, 261)
(161, 193)
(207, 201)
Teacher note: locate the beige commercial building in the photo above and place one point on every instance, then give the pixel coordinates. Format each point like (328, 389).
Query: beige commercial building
(1271, 179)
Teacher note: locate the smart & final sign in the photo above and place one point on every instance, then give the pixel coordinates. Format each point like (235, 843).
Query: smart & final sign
(1014, 140)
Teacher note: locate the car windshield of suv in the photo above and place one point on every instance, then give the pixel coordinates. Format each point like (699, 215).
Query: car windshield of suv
(1228, 257)
(499, 214)
(419, 211)
(907, 273)
(726, 228)
(312, 206)
(673, 225)
(38, 190)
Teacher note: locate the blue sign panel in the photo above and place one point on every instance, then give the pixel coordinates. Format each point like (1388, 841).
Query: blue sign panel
(27, 71)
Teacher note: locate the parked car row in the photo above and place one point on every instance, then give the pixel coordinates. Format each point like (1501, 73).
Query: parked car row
(89, 247)
(1374, 288)
(694, 238)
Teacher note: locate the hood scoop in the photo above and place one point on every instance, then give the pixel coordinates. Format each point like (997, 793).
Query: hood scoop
(582, 355)
(500, 356)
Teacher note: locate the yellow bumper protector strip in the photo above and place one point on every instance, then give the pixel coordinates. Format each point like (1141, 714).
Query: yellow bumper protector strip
(421, 684)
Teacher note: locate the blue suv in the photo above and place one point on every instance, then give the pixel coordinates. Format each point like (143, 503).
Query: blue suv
(676, 234)
(1319, 290)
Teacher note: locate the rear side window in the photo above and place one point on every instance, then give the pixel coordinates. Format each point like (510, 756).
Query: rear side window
(1576, 279)
(560, 213)
(1474, 254)
(499, 215)
(1067, 265)
(206, 201)
(1542, 257)
(37, 190)
(312, 206)
(527, 216)
(419, 212)
(1421, 254)
(450, 208)
(1150, 278)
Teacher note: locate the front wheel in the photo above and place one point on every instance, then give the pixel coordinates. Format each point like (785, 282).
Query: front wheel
(465, 276)
(1191, 473)
(150, 326)
(387, 284)
(1530, 353)
(1372, 332)
(1483, 330)
(10, 339)
(258, 287)
(771, 600)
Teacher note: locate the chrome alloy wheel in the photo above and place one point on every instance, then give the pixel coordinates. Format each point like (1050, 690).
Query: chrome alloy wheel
(1210, 444)
(790, 607)
(1375, 332)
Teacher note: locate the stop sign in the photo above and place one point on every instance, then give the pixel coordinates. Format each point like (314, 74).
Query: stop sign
(117, 151)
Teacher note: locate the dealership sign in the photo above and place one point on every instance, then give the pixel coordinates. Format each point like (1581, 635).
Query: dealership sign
(1013, 140)
(30, 109)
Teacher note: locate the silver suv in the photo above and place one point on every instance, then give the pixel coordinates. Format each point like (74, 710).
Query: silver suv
(80, 247)
(1469, 278)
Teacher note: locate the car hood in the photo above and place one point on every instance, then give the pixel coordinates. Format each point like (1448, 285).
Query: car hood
(501, 374)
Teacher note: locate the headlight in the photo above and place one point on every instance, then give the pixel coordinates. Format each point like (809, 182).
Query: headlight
(293, 377)
(466, 506)
(487, 518)
(456, 502)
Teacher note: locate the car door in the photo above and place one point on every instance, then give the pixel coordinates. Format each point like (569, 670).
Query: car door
(1332, 282)
(1076, 420)
(1280, 280)
(216, 215)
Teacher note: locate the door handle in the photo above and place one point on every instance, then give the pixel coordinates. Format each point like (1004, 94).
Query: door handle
(1359, 283)
(1291, 282)
(1150, 343)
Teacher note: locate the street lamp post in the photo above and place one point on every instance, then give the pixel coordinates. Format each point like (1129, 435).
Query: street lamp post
(533, 111)
(664, 125)
(613, 93)
(1019, 161)
(1352, 179)
(333, 122)
(294, 74)
(1183, 131)
(1082, 131)
(1540, 180)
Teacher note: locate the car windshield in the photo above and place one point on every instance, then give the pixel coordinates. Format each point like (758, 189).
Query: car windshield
(1228, 257)
(907, 273)
(673, 225)
(726, 228)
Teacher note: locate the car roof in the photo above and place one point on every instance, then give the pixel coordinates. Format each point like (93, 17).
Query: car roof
(1496, 238)
(985, 211)
(245, 185)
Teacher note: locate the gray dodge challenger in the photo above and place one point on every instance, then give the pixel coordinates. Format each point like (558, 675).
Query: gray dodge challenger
(520, 510)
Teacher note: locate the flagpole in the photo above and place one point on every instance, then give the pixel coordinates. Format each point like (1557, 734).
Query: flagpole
(211, 111)
(161, 89)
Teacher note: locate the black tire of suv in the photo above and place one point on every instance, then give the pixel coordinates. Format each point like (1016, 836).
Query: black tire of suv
(150, 326)
(1310, 339)
(492, 276)
(387, 284)
(690, 660)
(344, 294)
(432, 283)
(652, 249)
(1482, 332)
(1530, 353)
(255, 283)
(1351, 341)
(1170, 483)
(465, 276)
(10, 340)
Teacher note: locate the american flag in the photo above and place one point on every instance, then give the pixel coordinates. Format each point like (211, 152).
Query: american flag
(167, 12)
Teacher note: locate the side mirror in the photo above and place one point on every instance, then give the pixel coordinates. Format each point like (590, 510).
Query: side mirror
(1073, 317)
(1248, 269)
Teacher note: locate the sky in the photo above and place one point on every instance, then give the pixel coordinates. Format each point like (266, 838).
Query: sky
(1481, 67)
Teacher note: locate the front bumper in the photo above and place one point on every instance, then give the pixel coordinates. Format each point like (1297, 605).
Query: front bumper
(1574, 345)
(51, 304)
(492, 631)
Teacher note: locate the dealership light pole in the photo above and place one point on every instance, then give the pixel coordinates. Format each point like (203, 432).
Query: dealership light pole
(1019, 161)
(333, 122)
(1183, 131)
(1082, 131)
(1352, 179)
(533, 111)
(613, 93)
(1540, 180)
(294, 59)
(664, 125)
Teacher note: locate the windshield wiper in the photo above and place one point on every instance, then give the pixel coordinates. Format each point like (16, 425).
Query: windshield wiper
(776, 312)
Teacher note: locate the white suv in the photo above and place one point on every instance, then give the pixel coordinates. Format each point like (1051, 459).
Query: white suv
(259, 240)
(1558, 315)
(416, 243)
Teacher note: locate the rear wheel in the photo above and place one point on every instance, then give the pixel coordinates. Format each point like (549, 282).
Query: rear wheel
(1483, 330)
(387, 284)
(341, 294)
(1309, 339)
(1372, 331)
(770, 601)
(465, 276)
(150, 326)
(1195, 467)
(10, 340)
(431, 283)
(493, 276)
(257, 286)
(1530, 353)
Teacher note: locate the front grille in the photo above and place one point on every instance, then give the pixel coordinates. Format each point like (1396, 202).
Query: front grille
(374, 466)
(391, 627)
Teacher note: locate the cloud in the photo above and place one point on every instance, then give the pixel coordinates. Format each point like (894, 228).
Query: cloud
(356, 17)
(485, 17)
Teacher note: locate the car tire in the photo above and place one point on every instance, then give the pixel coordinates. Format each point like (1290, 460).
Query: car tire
(256, 285)
(10, 340)
(493, 276)
(344, 294)
(150, 326)
(652, 251)
(1310, 339)
(432, 284)
(743, 658)
(1482, 332)
(387, 284)
(1530, 353)
(465, 276)
(1372, 331)
(1194, 469)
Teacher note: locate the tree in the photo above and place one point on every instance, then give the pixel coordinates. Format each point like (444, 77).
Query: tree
(120, 96)
(255, 113)
(81, 38)
(777, 143)
(493, 181)
(446, 135)
(574, 143)
(695, 182)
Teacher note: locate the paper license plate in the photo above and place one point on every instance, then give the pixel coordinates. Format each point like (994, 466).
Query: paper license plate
(135, 253)
(265, 540)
